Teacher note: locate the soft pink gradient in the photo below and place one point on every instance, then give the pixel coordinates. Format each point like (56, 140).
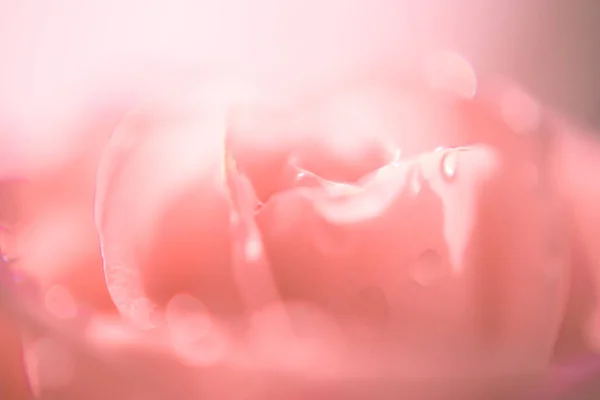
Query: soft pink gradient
(75, 72)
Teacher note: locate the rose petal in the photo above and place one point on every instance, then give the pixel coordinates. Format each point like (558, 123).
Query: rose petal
(326, 248)
(158, 166)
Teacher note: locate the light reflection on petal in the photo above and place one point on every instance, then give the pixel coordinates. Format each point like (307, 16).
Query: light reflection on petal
(155, 155)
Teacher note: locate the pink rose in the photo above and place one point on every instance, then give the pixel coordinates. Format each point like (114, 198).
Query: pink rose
(287, 239)
(266, 222)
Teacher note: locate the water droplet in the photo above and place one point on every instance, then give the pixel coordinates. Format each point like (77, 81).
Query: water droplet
(60, 303)
(304, 178)
(415, 180)
(439, 149)
(300, 175)
(428, 268)
(449, 165)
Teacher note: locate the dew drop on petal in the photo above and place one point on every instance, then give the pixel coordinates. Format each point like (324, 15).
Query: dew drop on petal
(194, 334)
(59, 302)
(449, 165)
(428, 268)
(307, 179)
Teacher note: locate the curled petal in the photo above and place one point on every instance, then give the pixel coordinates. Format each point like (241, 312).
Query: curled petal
(445, 254)
(156, 161)
(455, 236)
